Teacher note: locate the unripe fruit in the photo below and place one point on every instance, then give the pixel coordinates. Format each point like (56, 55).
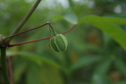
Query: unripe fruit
(58, 43)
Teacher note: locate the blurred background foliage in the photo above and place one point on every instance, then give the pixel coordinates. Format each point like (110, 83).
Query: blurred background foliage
(92, 57)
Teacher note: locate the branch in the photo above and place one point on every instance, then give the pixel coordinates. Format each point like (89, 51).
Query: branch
(20, 25)
(25, 31)
(21, 43)
(10, 70)
(4, 65)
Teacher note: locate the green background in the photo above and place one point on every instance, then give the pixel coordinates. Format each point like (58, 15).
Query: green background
(96, 46)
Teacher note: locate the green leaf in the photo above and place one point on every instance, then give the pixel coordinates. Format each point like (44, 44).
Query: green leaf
(121, 82)
(79, 83)
(99, 76)
(85, 61)
(103, 67)
(114, 20)
(33, 75)
(98, 79)
(105, 25)
(51, 75)
(120, 65)
(19, 69)
(114, 31)
(38, 58)
(94, 18)
(71, 17)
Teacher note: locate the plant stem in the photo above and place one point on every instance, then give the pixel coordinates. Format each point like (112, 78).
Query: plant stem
(4, 65)
(21, 43)
(16, 30)
(25, 31)
(52, 30)
(10, 69)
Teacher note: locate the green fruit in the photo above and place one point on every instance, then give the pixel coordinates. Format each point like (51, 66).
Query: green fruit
(58, 43)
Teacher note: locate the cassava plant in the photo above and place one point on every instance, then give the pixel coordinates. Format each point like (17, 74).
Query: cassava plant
(58, 42)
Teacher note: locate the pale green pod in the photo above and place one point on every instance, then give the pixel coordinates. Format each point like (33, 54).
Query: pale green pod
(59, 43)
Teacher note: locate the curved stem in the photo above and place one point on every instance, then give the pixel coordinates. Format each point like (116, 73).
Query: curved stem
(48, 23)
(4, 65)
(52, 30)
(21, 43)
(25, 31)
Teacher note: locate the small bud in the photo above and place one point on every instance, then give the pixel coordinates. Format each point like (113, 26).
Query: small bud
(58, 43)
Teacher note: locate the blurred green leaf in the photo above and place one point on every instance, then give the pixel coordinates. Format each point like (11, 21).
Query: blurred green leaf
(71, 17)
(113, 30)
(38, 58)
(99, 75)
(120, 65)
(103, 67)
(82, 83)
(57, 18)
(33, 75)
(121, 82)
(18, 71)
(85, 61)
(98, 79)
(50, 75)
(94, 18)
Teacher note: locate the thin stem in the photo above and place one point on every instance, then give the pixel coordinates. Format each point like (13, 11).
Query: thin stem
(70, 29)
(21, 43)
(26, 31)
(10, 70)
(11, 45)
(24, 20)
(4, 65)
(52, 29)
